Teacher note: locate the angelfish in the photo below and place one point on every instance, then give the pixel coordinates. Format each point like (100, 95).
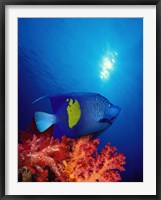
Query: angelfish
(77, 114)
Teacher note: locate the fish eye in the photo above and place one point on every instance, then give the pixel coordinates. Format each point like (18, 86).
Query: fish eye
(109, 105)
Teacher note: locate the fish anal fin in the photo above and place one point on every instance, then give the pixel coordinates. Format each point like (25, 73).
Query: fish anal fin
(57, 132)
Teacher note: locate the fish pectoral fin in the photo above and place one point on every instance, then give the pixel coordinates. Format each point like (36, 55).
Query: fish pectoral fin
(44, 120)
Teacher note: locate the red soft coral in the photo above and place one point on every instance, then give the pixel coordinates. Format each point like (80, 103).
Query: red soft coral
(41, 158)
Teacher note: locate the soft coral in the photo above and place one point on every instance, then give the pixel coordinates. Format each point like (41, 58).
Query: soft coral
(67, 160)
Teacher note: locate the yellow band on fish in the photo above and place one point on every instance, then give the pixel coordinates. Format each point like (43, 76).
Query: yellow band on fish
(74, 112)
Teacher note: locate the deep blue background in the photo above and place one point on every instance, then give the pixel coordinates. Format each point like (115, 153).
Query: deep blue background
(65, 55)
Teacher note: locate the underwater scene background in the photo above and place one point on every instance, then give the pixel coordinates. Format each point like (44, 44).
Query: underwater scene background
(100, 55)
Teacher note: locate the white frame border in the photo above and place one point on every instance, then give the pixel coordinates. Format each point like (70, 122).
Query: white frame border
(148, 186)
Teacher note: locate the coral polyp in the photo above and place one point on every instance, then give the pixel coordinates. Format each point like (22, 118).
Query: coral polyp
(42, 158)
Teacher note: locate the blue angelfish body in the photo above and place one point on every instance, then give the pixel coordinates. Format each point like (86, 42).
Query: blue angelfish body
(78, 114)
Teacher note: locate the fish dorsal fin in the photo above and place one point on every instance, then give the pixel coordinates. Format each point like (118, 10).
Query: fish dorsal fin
(61, 100)
(57, 102)
(40, 98)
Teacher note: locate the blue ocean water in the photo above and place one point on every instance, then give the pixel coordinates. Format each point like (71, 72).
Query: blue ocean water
(101, 55)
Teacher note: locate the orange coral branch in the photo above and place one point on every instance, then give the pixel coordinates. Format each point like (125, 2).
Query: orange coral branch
(87, 167)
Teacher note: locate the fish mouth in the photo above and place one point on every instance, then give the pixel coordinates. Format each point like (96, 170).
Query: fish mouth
(110, 121)
(114, 117)
(106, 120)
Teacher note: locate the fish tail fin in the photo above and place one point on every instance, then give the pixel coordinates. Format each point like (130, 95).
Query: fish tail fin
(44, 120)
(43, 97)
